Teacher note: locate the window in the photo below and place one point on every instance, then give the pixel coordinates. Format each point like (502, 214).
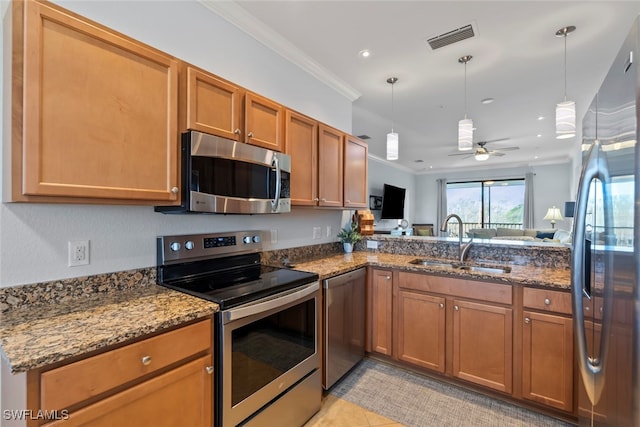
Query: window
(487, 204)
(622, 198)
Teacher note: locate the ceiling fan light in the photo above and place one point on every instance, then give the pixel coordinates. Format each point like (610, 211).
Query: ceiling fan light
(392, 146)
(565, 120)
(481, 157)
(465, 134)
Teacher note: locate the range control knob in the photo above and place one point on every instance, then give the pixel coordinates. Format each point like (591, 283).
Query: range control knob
(246, 239)
(256, 239)
(188, 245)
(175, 246)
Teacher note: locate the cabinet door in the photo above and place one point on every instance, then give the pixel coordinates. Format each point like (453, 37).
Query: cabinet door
(330, 170)
(99, 110)
(355, 173)
(264, 122)
(180, 397)
(547, 359)
(380, 312)
(482, 344)
(213, 105)
(421, 330)
(302, 145)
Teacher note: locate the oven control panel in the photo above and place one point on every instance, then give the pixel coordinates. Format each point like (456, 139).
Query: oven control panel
(189, 247)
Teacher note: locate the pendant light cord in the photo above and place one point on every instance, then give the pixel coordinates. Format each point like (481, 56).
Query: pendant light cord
(465, 89)
(393, 113)
(565, 67)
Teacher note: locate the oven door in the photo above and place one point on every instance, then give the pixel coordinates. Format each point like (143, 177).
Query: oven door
(266, 347)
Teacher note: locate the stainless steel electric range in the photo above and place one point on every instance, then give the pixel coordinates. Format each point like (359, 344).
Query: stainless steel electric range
(266, 333)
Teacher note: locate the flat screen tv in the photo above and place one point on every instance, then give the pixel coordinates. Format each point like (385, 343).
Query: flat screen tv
(392, 202)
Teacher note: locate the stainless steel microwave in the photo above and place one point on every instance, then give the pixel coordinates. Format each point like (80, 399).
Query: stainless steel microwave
(220, 175)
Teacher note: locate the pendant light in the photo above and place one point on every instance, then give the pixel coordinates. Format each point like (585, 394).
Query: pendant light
(465, 126)
(566, 110)
(392, 137)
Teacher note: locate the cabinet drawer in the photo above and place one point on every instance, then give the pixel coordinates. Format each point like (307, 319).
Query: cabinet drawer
(547, 300)
(75, 382)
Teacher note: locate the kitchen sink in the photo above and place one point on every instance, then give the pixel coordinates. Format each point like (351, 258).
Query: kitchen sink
(430, 263)
(494, 269)
(485, 269)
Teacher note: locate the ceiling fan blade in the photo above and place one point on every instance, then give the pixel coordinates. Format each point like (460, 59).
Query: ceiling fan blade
(495, 140)
(468, 153)
(496, 153)
(507, 148)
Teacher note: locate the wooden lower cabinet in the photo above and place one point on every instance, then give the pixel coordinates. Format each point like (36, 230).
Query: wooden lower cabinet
(421, 330)
(380, 312)
(547, 359)
(182, 396)
(483, 344)
(163, 380)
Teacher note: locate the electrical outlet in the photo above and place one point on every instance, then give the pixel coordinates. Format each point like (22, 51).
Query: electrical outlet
(274, 237)
(317, 232)
(78, 253)
(372, 244)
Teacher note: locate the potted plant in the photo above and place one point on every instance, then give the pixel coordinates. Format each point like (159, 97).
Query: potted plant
(349, 237)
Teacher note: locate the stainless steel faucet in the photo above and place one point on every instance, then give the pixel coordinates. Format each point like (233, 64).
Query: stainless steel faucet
(463, 249)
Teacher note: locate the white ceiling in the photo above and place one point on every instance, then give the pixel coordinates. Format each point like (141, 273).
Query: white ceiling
(517, 60)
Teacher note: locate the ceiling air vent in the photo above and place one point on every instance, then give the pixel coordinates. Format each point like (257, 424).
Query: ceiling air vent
(451, 37)
(364, 137)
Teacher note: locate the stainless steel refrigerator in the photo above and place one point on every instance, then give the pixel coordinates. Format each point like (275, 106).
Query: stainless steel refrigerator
(605, 287)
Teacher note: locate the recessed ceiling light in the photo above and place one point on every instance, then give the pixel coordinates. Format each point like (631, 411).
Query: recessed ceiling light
(539, 135)
(365, 53)
(540, 117)
(487, 100)
(535, 157)
(419, 161)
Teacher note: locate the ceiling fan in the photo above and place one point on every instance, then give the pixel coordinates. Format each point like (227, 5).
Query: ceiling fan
(482, 154)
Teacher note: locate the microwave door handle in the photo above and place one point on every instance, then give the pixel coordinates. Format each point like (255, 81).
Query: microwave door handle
(591, 369)
(276, 201)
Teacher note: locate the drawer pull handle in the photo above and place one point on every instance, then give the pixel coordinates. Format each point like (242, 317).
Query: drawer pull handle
(456, 308)
(388, 277)
(175, 190)
(237, 131)
(527, 320)
(250, 134)
(547, 301)
(146, 360)
(209, 370)
(441, 305)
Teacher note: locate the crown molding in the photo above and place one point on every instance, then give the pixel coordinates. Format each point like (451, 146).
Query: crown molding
(238, 16)
(391, 163)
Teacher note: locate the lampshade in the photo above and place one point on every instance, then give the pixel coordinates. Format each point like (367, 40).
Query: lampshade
(392, 146)
(565, 120)
(465, 134)
(553, 215)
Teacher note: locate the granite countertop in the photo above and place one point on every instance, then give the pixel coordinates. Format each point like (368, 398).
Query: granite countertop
(32, 337)
(520, 274)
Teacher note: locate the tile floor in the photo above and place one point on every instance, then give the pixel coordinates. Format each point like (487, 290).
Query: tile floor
(336, 412)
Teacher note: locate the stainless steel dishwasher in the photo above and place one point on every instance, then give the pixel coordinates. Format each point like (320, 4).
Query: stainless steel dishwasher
(344, 324)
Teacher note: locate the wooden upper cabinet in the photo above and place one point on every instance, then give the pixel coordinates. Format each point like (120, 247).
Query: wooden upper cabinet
(355, 173)
(263, 122)
(212, 105)
(330, 166)
(99, 112)
(301, 143)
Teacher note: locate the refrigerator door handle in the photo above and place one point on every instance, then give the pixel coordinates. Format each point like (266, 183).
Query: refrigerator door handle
(591, 368)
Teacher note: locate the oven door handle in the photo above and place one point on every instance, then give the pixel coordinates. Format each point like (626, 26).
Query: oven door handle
(279, 300)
